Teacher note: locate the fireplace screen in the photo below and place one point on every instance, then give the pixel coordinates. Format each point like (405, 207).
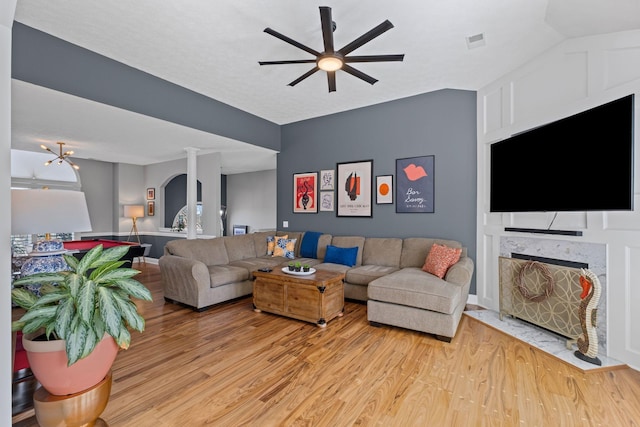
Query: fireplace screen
(546, 295)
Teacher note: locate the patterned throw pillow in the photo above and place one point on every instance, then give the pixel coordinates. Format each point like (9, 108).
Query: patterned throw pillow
(440, 258)
(271, 242)
(285, 248)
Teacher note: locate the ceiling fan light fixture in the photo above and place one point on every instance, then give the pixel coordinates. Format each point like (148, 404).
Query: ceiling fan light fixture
(330, 63)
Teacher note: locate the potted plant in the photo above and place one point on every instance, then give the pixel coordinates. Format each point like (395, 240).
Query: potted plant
(297, 266)
(306, 268)
(83, 312)
(291, 266)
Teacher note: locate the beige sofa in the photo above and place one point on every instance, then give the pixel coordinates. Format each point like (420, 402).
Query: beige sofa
(387, 275)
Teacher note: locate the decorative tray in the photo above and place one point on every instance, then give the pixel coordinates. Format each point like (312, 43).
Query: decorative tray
(298, 273)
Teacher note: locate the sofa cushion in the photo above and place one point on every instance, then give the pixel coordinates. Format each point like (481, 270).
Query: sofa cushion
(260, 241)
(323, 241)
(382, 251)
(340, 268)
(416, 249)
(415, 288)
(225, 274)
(440, 258)
(207, 251)
(240, 247)
(344, 256)
(349, 242)
(366, 273)
(253, 264)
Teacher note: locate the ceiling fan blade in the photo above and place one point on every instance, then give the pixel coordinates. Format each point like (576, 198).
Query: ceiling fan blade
(304, 76)
(331, 79)
(295, 61)
(368, 36)
(291, 41)
(359, 74)
(327, 28)
(374, 58)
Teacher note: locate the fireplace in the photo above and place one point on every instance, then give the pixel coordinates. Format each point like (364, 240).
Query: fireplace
(571, 256)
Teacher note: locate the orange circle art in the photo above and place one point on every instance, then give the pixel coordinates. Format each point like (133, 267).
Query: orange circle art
(383, 189)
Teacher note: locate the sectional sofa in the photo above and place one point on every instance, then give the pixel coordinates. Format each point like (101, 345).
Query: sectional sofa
(386, 273)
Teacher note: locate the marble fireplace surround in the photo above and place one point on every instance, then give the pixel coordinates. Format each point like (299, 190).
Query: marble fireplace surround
(593, 254)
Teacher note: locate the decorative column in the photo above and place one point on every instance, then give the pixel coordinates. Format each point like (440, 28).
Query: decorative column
(192, 192)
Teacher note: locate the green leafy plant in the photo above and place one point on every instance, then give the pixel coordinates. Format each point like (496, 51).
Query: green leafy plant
(81, 304)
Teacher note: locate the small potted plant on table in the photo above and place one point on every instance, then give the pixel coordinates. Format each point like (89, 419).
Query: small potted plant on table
(306, 268)
(297, 266)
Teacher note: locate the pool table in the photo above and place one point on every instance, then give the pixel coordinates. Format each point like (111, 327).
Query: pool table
(80, 247)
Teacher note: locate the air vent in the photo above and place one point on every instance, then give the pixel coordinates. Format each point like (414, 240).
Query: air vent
(474, 41)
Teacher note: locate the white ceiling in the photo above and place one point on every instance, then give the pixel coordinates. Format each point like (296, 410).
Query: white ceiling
(213, 47)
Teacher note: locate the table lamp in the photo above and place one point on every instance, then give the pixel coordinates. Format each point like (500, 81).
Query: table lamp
(134, 212)
(46, 212)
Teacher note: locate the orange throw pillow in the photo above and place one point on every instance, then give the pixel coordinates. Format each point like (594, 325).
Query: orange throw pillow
(440, 258)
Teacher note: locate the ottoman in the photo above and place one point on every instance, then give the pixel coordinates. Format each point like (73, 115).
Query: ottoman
(413, 299)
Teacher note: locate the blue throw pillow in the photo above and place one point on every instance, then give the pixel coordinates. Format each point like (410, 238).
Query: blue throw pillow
(344, 256)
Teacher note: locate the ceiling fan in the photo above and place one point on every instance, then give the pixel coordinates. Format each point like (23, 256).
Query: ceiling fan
(331, 60)
(60, 157)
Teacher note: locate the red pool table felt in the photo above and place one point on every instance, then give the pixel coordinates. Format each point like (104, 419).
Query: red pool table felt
(85, 245)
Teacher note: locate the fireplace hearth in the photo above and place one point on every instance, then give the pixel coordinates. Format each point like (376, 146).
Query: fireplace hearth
(570, 254)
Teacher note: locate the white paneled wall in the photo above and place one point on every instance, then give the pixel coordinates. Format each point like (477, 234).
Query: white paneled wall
(574, 76)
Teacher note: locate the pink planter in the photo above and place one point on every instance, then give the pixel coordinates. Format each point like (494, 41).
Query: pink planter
(48, 361)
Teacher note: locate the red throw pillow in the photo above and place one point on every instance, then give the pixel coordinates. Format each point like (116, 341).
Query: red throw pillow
(440, 258)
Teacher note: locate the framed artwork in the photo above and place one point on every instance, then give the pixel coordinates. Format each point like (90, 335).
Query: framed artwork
(326, 180)
(305, 192)
(384, 189)
(240, 229)
(354, 188)
(151, 208)
(151, 193)
(326, 200)
(415, 184)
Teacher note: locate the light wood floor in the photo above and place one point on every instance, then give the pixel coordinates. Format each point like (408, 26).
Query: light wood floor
(230, 366)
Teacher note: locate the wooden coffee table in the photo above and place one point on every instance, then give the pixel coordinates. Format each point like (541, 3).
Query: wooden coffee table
(316, 298)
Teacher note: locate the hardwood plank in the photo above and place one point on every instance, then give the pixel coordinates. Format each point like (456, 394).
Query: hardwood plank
(231, 366)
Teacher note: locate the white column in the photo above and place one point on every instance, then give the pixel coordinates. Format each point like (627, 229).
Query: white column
(192, 192)
(7, 12)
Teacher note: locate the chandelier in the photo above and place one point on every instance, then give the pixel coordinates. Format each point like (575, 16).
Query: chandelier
(60, 157)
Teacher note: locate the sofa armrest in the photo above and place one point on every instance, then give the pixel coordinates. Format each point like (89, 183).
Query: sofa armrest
(183, 279)
(461, 272)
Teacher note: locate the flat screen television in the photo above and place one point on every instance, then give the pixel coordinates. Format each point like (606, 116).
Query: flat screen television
(579, 163)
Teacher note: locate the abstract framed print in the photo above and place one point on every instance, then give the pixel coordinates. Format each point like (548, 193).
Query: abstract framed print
(354, 188)
(305, 192)
(384, 189)
(326, 201)
(415, 184)
(326, 180)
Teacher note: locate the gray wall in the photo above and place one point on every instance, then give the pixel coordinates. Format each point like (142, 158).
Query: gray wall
(251, 200)
(99, 186)
(441, 123)
(47, 61)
